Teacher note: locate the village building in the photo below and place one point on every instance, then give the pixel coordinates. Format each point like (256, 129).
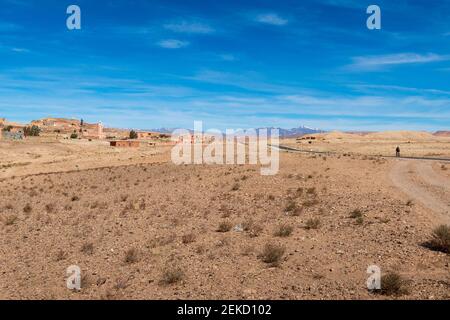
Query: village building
(125, 143)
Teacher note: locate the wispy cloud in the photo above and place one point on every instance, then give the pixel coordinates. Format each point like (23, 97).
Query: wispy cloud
(20, 50)
(189, 27)
(228, 57)
(367, 63)
(173, 44)
(271, 18)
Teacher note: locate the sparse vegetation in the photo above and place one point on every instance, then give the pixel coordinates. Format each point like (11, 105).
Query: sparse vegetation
(235, 187)
(359, 220)
(60, 255)
(272, 254)
(50, 207)
(87, 248)
(132, 255)
(224, 226)
(440, 239)
(283, 230)
(10, 220)
(291, 206)
(355, 214)
(133, 134)
(172, 274)
(392, 284)
(27, 208)
(32, 131)
(188, 238)
(313, 223)
(252, 228)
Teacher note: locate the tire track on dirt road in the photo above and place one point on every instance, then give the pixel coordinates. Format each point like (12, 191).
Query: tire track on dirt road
(402, 177)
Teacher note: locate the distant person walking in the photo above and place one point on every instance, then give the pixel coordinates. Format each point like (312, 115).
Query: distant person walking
(397, 152)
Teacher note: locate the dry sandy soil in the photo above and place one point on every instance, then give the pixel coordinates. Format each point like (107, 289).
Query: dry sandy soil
(141, 227)
(412, 144)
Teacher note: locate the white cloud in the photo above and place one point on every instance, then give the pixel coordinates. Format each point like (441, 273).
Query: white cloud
(20, 50)
(187, 27)
(173, 44)
(271, 18)
(381, 61)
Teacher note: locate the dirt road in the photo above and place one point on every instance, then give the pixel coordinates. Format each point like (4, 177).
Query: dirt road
(423, 184)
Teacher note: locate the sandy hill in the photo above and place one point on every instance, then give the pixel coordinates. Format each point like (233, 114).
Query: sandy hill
(442, 133)
(400, 135)
(337, 135)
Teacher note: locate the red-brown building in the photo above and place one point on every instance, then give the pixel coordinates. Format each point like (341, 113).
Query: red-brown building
(125, 144)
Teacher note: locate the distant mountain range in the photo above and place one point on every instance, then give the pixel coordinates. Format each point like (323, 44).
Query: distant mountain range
(284, 133)
(296, 132)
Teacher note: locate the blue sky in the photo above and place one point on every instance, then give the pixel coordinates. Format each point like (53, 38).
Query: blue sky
(230, 64)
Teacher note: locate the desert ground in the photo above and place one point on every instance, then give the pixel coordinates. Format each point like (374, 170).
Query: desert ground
(141, 227)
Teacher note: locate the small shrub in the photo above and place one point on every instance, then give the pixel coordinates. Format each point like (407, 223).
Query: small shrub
(252, 228)
(313, 223)
(32, 131)
(272, 254)
(283, 230)
(75, 198)
(235, 187)
(409, 203)
(121, 283)
(392, 284)
(290, 206)
(74, 136)
(27, 208)
(50, 208)
(60, 255)
(10, 220)
(87, 248)
(224, 226)
(133, 134)
(359, 220)
(132, 255)
(172, 274)
(188, 238)
(440, 239)
(310, 203)
(355, 214)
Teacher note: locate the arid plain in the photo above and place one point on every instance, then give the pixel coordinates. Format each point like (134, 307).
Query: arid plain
(141, 227)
